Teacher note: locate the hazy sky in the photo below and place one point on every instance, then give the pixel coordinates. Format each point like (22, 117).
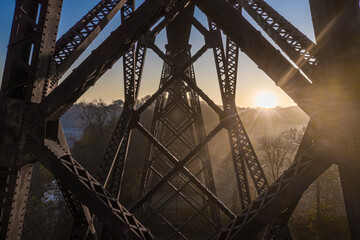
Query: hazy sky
(251, 80)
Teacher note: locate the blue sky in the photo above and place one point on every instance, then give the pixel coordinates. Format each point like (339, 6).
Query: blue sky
(251, 80)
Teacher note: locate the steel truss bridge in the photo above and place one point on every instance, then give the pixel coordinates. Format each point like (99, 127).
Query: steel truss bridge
(177, 186)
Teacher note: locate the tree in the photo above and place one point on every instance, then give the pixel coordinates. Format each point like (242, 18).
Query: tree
(99, 120)
(278, 151)
(320, 214)
(47, 216)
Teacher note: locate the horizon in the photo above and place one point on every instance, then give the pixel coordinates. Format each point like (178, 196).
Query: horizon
(201, 101)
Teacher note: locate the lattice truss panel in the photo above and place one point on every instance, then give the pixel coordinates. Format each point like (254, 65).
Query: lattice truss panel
(177, 198)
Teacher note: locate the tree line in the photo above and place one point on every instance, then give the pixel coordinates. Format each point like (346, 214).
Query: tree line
(320, 213)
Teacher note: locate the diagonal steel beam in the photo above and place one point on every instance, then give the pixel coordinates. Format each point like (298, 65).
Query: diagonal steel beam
(80, 213)
(241, 147)
(280, 70)
(103, 58)
(112, 166)
(277, 230)
(171, 78)
(75, 41)
(300, 49)
(178, 71)
(227, 90)
(180, 166)
(90, 192)
(282, 193)
(113, 149)
(119, 167)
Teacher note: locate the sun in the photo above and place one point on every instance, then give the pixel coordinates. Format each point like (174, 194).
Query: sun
(265, 100)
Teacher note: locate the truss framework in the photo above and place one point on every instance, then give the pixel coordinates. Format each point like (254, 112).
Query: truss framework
(31, 104)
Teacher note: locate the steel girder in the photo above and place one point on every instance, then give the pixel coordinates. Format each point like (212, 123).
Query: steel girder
(335, 29)
(75, 41)
(83, 224)
(101, 60)
(91, 193)
(48, 29)
(344, 98)
(155, 9)
(179, 139)
(300, 49)
(271, 61)
(271, 202)
(243, 152)
(178, 126)
(31, 44)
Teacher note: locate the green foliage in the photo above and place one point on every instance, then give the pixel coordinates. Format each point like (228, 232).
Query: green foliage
(320, 214)
(332, 226)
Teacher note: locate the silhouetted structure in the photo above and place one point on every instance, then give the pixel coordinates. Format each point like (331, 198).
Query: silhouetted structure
(177, 190)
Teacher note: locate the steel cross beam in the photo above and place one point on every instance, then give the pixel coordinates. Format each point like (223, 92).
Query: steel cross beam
(116, 181)
(75, 41)
(179, 166)
(179, 141)
(285, 191)
(102, 59)
(121, 130)
(276, 229)
(178, 101)
(111, 170)
(83, 224)
(276, 66)
(90, 192)
(241, 147)
(300, 49)
(227, 90)
(155, 9)
(179, 72)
